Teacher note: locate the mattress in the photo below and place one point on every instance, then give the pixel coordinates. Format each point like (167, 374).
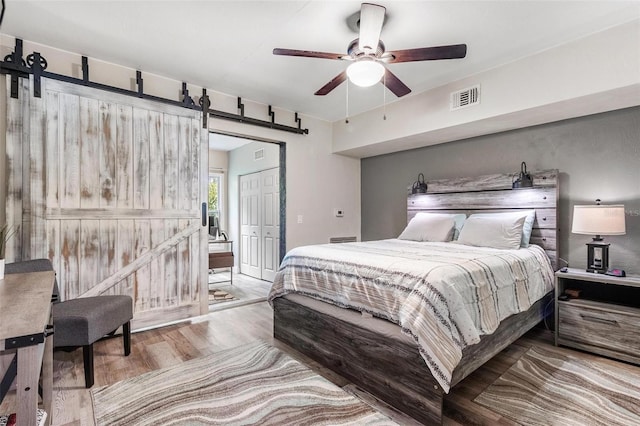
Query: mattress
(446, 293)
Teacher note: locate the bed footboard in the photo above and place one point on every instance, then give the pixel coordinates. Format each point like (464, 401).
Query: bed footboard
(390, 370)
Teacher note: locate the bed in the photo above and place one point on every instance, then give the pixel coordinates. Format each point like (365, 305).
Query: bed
(321, 296)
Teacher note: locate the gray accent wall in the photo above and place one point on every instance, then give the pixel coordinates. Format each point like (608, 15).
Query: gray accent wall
(598, 156)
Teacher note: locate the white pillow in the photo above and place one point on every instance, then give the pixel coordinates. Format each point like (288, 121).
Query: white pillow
(432, 227)
(497, 232)
(527, 227)
(459, 223)
(458, 219)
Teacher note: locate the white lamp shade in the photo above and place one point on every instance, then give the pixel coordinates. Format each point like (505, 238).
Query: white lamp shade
(598, 220)
(365, 72)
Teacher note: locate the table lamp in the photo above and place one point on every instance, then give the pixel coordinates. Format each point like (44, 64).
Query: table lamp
(598, 220)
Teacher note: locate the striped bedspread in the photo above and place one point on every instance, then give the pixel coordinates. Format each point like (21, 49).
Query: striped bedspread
(444, 295)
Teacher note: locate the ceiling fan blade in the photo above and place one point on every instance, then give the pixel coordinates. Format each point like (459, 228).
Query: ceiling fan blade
(337, 81)
(454, 51)
(394, 84)
(371, 20)
(307, 53)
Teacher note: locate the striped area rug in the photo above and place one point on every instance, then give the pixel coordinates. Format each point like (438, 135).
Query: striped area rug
(255, 384)
(550, 387)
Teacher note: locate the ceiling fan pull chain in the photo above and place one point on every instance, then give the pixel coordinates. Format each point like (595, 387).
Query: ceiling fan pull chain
(346, 120)
(384, 95)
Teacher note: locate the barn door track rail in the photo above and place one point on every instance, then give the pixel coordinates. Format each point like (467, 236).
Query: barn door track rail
(35, 64)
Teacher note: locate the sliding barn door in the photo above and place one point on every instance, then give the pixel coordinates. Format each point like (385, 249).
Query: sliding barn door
(109, 188)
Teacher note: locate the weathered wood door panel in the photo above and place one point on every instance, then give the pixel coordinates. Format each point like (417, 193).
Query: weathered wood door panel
(109, 188)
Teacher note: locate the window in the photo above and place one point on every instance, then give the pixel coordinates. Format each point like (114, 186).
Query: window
(215, 202)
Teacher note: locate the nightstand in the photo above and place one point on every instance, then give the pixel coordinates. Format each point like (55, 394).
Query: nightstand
(604, 319)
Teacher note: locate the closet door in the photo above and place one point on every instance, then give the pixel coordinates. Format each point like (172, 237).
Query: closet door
(109, 188)
(250, 225)
(270, 191)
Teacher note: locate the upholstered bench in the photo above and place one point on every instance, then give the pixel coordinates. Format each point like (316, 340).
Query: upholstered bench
(85, 320)
(81, 322)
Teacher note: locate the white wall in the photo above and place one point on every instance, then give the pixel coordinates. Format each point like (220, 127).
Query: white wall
(218, 160)
(69, 63)
(594, 74)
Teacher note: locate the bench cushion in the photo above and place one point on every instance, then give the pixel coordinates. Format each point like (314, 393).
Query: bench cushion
(84, 320)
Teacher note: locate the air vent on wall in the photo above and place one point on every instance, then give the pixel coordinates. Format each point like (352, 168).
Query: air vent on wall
(259, 154)
(465, 97)
(342, 240)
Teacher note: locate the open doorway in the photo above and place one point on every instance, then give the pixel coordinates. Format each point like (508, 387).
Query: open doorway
(231, 160)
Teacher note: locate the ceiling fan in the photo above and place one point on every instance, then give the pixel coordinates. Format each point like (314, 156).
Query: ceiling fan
(368, 56)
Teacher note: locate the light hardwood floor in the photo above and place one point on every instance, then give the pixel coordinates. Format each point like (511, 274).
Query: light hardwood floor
(163, 347)
(245, 289)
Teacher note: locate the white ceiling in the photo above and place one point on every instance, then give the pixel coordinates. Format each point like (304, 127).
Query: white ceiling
(226, 46)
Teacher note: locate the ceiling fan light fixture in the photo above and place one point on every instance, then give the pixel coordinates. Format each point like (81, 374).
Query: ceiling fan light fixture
(365, 72)
(369, 56)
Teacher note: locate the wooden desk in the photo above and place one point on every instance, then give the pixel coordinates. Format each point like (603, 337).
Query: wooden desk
(221, 256)
(25, 313)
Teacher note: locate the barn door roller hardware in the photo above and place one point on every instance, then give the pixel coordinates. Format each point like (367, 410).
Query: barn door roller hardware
(36, 65)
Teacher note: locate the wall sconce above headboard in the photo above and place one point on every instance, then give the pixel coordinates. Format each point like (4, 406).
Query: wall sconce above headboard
(524, 180)
(419, 186)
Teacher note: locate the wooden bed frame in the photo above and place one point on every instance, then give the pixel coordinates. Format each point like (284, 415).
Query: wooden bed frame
(392, 370)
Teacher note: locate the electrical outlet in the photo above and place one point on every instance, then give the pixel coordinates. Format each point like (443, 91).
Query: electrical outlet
(300, 218)
(338, 212)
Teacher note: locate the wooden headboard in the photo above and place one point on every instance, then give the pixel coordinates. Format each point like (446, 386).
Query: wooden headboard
(493, 193)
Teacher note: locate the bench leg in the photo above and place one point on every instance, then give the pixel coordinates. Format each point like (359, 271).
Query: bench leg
(126, 337)
(87, 353)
